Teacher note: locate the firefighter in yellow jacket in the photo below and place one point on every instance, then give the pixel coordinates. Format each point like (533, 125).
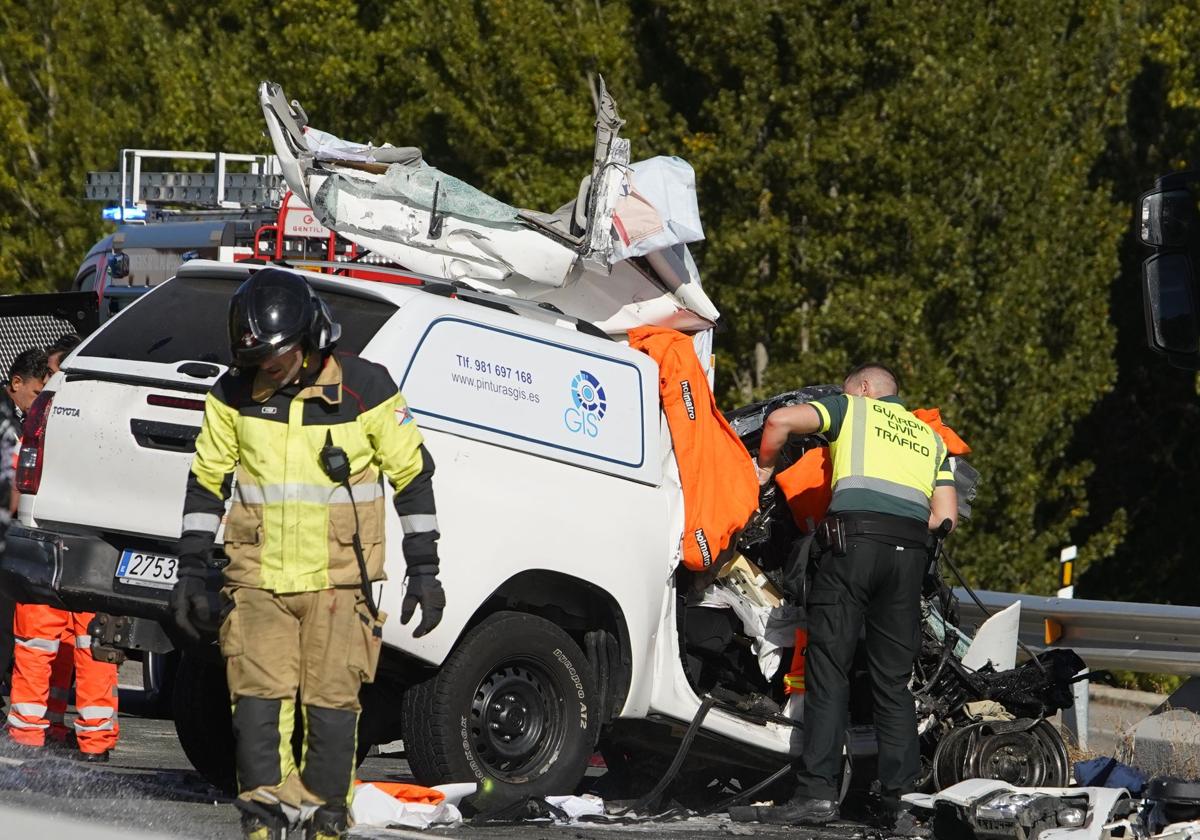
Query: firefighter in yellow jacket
(302, 438)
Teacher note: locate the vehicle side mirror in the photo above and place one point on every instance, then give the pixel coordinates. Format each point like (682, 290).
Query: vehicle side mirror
(1168, 219)
(1169, 296)
(118, 264)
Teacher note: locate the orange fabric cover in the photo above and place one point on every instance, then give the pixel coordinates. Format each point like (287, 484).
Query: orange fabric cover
(47, 641)
(933, 417)
(720, 489)
(806, 485)
(408, 793)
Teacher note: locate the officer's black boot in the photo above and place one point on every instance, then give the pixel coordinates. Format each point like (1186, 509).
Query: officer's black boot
(799, 810)
(330, 822)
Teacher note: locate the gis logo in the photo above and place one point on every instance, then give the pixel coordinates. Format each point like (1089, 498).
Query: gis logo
(588, 405)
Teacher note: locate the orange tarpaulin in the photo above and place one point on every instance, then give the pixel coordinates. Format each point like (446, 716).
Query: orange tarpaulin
(806, 487)
(409, 793)
(720, 489)
(933, 417)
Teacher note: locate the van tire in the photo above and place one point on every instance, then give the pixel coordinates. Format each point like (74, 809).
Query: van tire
(516, 692)
(204, 720)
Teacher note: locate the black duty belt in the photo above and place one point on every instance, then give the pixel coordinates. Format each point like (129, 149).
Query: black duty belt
(885, 526)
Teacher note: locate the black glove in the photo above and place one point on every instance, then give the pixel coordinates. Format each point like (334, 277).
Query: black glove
(426, 590)
(195, 608)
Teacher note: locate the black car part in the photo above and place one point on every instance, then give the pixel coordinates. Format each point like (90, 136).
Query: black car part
(1170, 800)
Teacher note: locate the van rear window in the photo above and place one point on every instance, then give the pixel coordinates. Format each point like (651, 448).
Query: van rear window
(186, 319)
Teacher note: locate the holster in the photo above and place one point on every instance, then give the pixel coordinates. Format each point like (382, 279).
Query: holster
(831, 536)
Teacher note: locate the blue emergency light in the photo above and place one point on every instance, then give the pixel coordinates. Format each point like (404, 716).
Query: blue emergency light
(123, 214)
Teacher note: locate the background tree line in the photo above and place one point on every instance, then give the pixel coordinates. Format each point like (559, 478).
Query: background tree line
(948, 188)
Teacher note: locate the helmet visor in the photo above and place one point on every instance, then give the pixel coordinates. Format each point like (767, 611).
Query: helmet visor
(266, 314)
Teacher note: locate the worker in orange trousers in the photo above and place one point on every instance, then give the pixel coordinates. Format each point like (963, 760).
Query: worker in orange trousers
(48, 642)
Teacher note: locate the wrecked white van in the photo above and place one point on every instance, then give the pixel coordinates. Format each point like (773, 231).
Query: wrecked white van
(569, 626)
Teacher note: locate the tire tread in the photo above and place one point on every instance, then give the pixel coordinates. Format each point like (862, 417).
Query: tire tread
(429, 752)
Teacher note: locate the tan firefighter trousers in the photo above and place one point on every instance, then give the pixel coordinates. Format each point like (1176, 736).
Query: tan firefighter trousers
(317, 646)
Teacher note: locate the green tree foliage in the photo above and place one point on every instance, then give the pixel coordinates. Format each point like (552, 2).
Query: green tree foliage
(64, 107)
(945, 188)
(911, 184)
(1145, 435)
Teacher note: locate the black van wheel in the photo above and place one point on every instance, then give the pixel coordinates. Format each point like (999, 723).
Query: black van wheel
(203, 719)
(512, 707)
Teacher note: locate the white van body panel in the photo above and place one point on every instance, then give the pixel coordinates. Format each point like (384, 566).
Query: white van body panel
(518, 383)
(673, 697)
(545, 518)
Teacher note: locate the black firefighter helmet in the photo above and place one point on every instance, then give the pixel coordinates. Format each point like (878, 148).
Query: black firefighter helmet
(274, 310)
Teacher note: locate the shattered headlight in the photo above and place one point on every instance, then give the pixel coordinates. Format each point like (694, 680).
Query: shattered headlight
(1006, 810)
(1004, 806)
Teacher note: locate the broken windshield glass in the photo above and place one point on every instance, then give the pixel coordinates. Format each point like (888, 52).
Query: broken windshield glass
(415, 185)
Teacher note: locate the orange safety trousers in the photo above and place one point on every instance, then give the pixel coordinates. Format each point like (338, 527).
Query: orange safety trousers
(48, 642)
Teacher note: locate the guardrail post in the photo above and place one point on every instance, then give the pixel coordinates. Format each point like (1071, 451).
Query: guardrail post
(1075, 719)
(1066, 576)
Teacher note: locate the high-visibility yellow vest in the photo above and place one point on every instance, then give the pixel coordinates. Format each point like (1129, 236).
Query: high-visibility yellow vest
(885, 460)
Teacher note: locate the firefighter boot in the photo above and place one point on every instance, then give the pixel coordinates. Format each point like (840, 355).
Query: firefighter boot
(257, 828)
(330, 822)
(261, 822)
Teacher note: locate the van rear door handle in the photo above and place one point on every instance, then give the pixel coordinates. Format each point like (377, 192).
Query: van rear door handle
(170, 437)
(199, 370)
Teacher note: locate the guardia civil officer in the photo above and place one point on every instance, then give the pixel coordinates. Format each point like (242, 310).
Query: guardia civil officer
(891, 486)
(304, 437)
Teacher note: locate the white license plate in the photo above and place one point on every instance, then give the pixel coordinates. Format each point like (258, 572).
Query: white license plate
(140, 568)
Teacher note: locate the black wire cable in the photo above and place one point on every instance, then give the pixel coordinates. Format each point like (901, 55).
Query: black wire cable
(336, 465)
(684, 746)
(947, 650)
(742, 796)
(946, 556)
(622, 816)
(358, 555)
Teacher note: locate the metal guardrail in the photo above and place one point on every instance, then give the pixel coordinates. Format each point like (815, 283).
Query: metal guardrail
(1156, 638)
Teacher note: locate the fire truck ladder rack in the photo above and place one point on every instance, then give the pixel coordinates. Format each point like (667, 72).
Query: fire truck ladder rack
(217, 189)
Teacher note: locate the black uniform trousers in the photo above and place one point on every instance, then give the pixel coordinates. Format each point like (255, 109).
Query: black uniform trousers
(880, 582)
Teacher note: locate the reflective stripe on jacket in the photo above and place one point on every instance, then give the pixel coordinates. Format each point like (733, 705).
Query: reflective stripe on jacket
(885, 460)
(290, 528)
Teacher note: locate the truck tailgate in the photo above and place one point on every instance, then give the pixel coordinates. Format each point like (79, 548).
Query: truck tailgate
(117, 456)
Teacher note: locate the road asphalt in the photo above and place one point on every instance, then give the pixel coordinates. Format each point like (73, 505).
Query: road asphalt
(150, 791)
